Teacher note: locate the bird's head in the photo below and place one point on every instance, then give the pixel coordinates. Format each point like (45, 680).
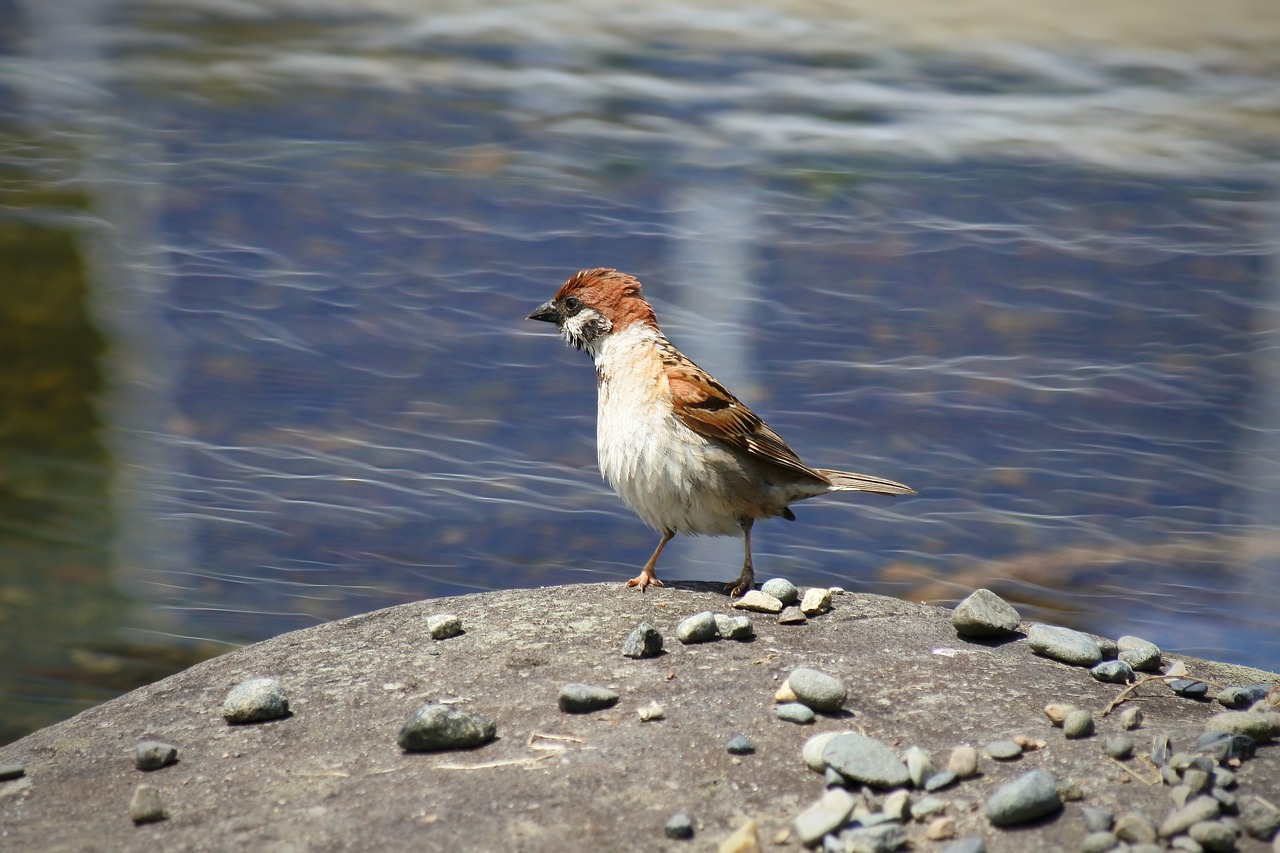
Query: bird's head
(593, 304)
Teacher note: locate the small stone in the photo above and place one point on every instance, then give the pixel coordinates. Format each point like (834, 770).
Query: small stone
(919, 765)
(1107, 647)
(1262, 726)
(652, 711)
(815, 601)
(940, 829)
(737, 627)
(1239, 698)
(826, 815)
(883, 838)
(1078, 724)
(146, 806)
(1223, 778)
(1225, 747)
(792, 616)
(784, 693)
(938, 781)
(152, 755)
(584, 698)
(433, 728)
(1063, 644)
(443, 626)
(1119, 746)
(897, 805)
(255, 700)
(698, 628)
(1179, 794)
(1057, 712)
(759, 602)
(746, 839)
(1031, 796)
(1098, 842)
(11, 771)
(1196, 779)
(1214, 836)
(1003, 750)
(819, 691)
(1097, 818)
(1184, 843)
(794, 712)
(1131, 718)
(811, 752)
(781, 589)
(984, 614)
(1226, 800)
(1113, 672)
(644, 642)
(1135, 828)
(1161, 749)
(679, 825)
(971, 844)
(963, 762)
(1189, 688)
(1139, 654)
(740, 745)
(1260, 820)
(865, 760)
(1195, 811)
(928, 807)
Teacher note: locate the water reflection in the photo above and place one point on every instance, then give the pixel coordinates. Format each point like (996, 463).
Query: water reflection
(310, 244)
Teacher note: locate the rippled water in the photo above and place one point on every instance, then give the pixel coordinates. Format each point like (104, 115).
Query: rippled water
(1034, 280)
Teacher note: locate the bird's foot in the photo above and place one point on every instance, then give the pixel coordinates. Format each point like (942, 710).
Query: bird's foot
(644, 580)
(742, 585)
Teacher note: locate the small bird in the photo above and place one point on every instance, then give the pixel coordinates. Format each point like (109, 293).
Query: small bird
(680, 450)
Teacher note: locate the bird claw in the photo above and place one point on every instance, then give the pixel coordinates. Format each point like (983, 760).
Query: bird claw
(644, 580)
(740, 587)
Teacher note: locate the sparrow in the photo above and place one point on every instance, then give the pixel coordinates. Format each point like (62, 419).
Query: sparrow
(680, 450)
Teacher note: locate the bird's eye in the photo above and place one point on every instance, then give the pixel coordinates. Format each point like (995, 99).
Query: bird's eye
(572, 303)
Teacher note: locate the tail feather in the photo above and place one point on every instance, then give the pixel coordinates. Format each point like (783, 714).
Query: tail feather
(847, 482)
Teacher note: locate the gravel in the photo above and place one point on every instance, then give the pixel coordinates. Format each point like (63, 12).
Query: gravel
(434, 728)
(584, 698)
(255, 700)
(985, 615)
(1029, 797)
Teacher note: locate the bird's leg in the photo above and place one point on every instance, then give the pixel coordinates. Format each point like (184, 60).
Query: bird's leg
(748, 576)
(647, 575)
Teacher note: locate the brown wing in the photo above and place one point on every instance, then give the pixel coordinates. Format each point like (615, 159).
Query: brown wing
(707, 407)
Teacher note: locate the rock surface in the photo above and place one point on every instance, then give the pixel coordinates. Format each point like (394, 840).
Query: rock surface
(330, 776)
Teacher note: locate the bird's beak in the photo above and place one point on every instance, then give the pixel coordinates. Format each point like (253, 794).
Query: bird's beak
(547, 312)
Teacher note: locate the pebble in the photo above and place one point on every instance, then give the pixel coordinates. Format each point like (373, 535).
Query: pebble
(652, 711)
(152, 755)
(1196, 780)
(897, 805)
(1131, 718)
(963, 762)
(255, 700)
(781, 589)
(794, 712)
(746, 839)
(740, 745)
(940, 829)
(984, 614)
(1063, 644)
(972, 844)
(1107, 647)
(443, 626)
(815, 601)
(1161, 749)
(1262, 726)
(758, 601)
(1098, 842)
(1223, 778)
(938, 781)
(1031, 796)
(1057, 712)
(644, 642)
(1097, 818)
(919, 765)
(737, 627)
(826, 815)
(679, 825)
(434, 727)
(1238, 698)
(884, 838)
(1003, 750)
(698, 628)
(865, 760)
(1189, 688)
(1224, 746)
(1140, 654)
(1078, 724)
(146, 806)
(1260, 820)
(1119, 746)
(1113, 672)
(1134, 828)
(1196, 810)
(819, 691)
(811, 752)
(584, 698)
(1214, 836)
(928, 806)
(11, 771)
(792, 616)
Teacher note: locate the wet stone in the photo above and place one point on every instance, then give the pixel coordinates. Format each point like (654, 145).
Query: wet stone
(740, 745)
(816, 689)
(585, 698)
(794, 712)
(1140, 654)
(1189, 688)
(698, 628)
(1063, 644)
(644, 642)
(255, 700)
(433, 728)
(152, 755)
(737, 627)
(678, 826)
(1113, 672)
(1029, 797)
(781, 589)
(146, 806)
(1003, 750)
(865, 760)
(759, 602)
(1119, 746)
(442, 626)
(983, 615)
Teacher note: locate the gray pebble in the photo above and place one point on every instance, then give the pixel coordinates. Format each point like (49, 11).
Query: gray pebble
(884, 838)
(1214, 836)
(781, 589)
(11, 771)
(919, 765)
(1240, 698)
(735, 627)
(679, 825)
(897, 805)
(1113, 672)
(865, 760)
(1230, 804)
(1003, 750)
(1224, 778)
(1097, 818)
(152, 755)
(442, 626)
(1139, 654)
(698, 628)
(1118, 745)
(819, 691)
(1134, 828)
(433, 728)
(1108, 648)
(1031, 796)
(938, 781)
(826, 815)
(740, 745)
(1185, 843)
(1196, 780)
(644, 642)
(1098, 842)
(984, 614)
(928, 807)
(1078, 724)
(255, 700)
(584, 698)
(759, 602)
(1189, 688)
(146, 805)
(1063, 644)
(792, 616)
(1131, 718)
(1196, 810)
(794, 712)
(972, 844)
